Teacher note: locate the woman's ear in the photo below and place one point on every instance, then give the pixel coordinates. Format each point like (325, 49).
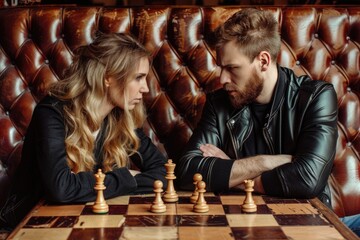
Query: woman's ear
(265, 60)
(108, 81)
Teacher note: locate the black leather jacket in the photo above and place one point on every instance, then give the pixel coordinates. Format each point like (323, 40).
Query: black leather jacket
(302, 122)
(43, 171)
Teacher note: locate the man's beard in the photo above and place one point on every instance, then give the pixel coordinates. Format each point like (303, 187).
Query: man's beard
(240, 98)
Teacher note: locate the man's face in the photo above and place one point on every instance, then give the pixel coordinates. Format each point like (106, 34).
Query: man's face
(239, 76)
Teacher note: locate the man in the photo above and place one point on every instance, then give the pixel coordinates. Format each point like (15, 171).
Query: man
(266, 123)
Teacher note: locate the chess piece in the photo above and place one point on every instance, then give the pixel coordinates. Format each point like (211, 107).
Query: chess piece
(200, 206)
(158, 205)
(194, 197)
(100, 205)
(170, 194)
(249, 205)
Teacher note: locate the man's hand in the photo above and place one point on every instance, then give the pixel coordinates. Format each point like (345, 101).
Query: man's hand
(210, 150)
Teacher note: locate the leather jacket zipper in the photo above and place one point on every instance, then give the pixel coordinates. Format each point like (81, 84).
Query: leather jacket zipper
(233, 140)
(268, 140)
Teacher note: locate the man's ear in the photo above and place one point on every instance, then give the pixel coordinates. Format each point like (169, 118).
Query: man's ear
(265, 60)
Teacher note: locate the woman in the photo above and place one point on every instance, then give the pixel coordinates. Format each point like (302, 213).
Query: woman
(89, 120)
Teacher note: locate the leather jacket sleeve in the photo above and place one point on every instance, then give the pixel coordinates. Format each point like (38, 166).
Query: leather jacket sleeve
(315, 146)
(215, 171)
(151, 163)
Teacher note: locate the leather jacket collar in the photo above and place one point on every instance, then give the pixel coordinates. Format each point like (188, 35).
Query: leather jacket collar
(240, 125)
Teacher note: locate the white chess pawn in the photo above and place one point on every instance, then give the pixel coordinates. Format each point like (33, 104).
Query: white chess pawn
(200, 206)
(158, 205)
(196, 178)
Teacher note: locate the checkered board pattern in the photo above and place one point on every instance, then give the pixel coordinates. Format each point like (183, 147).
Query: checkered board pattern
(129, 218)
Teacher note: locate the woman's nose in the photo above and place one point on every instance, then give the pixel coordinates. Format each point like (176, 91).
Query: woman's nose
(144, 88)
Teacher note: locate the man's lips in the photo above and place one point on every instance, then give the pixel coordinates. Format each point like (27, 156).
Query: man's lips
(230, 91)
(229, 88)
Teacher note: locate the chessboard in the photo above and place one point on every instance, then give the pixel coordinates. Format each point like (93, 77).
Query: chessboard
(129, 217)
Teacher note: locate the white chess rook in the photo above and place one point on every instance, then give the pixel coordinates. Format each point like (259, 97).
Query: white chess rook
(249, 205)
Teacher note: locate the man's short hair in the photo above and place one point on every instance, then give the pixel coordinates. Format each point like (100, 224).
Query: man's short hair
(253, 31)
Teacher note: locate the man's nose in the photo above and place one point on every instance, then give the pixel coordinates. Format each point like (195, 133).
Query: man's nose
(224, 77)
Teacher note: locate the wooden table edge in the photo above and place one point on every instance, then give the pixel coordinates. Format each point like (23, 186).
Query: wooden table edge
(24, 220)
(334, 219)
(328, 214)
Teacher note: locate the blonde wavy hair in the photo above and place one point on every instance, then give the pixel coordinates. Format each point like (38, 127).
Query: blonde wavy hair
(115, 55)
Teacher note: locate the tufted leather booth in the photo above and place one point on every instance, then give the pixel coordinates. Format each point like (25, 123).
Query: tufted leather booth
(36, 45)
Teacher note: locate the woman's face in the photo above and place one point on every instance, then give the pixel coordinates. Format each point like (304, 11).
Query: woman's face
(134, 89)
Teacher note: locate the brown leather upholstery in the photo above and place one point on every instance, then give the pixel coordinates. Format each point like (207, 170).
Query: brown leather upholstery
(36, 45)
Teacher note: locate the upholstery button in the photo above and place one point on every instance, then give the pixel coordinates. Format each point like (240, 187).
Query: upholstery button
(348, 144)
(348, 89)
(332, 62)
(46, 61)
(316, 35)
(7, 113)
(232, 121)
(62, 35)
(348, 38)
(297, 63)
